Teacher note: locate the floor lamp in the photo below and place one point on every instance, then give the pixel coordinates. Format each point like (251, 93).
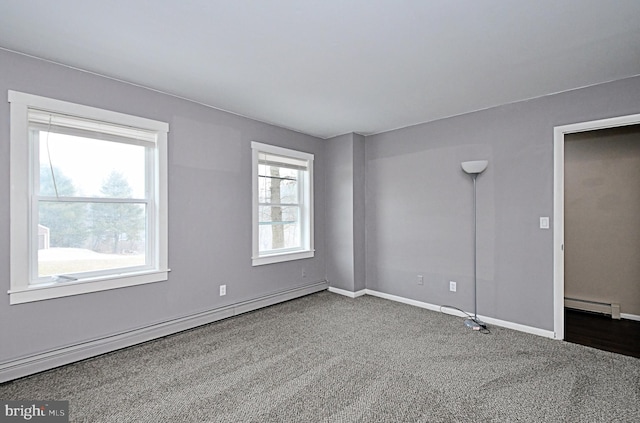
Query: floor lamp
(474, 168)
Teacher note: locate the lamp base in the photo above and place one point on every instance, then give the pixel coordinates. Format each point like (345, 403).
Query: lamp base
(475, 324)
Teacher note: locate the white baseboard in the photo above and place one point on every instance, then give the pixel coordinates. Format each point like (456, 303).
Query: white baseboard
(630, 316)
(403, 300)
(346, 293)
(48, 360)
(490, 320)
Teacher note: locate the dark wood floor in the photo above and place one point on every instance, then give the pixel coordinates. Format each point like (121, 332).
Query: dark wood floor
(602, 332)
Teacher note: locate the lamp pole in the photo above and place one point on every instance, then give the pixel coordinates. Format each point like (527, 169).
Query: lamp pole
(474, 168)
(475, 249)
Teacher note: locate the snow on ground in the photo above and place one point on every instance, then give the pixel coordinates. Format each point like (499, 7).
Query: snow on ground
(57, 254)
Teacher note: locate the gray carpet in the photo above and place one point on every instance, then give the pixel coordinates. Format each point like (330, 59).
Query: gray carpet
(328, 358)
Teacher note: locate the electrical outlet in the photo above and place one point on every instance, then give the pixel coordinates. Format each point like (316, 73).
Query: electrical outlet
(223, 290)
(453, 286)
(420, 280)
(304, 273)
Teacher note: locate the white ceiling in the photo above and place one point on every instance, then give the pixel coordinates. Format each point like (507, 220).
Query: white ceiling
(329, 67)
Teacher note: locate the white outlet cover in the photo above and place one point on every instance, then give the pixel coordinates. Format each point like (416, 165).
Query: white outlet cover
(452, 286)
(223, 290)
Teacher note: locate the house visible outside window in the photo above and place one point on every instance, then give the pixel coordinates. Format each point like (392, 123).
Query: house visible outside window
(282, 204)
(88, 199)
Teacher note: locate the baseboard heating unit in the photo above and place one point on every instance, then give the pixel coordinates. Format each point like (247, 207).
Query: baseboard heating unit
(604, 308)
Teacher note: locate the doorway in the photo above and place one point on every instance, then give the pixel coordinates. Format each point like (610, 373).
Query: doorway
(602, 239)
(560, 133)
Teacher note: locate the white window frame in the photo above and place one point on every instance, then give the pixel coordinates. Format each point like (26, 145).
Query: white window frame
(24, 223)
(306, 207)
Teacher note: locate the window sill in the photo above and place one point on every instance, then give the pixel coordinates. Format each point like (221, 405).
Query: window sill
(277, 258)
(66, 289)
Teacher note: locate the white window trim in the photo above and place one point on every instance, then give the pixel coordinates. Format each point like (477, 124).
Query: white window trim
(20, 210)
(307, 207)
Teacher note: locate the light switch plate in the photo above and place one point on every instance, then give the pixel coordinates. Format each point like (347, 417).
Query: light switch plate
(544, 223)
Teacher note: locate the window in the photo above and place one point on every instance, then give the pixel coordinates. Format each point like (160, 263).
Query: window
(282, 204)
(88, 199)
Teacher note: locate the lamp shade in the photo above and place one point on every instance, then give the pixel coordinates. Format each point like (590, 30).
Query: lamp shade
(475, 166)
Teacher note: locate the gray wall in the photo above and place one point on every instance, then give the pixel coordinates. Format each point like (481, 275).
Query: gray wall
(359, 201)
(209, 215)
(345, 210)
(602, 217)
(339, 212)
(419, 203)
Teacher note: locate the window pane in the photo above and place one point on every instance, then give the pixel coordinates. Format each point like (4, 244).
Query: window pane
(85, 167)
(279, 227)
(277, 185)
(87, 237)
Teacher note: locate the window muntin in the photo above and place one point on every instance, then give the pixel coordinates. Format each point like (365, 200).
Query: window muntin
(282, 204)
(88, 204)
